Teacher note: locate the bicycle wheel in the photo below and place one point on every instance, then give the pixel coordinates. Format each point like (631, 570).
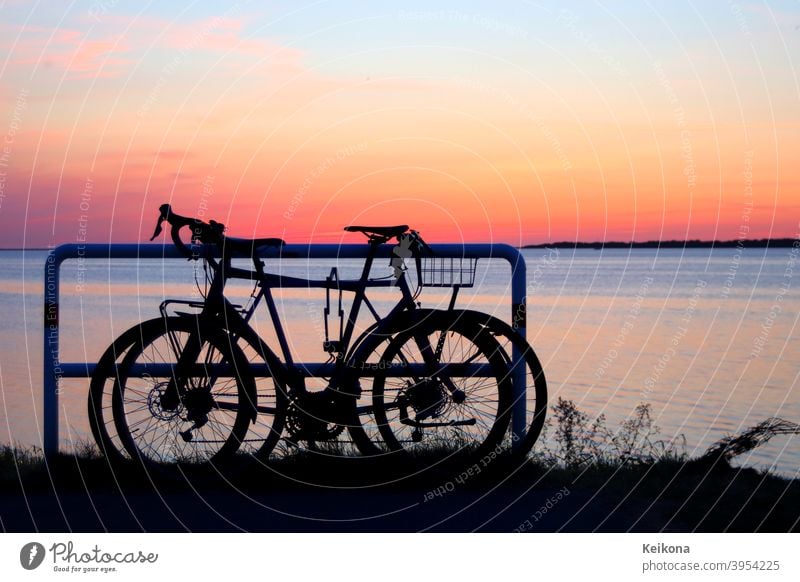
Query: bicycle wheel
(534, 390)
(209, 420)
(265, 431)
(442, 388)
(101, 388)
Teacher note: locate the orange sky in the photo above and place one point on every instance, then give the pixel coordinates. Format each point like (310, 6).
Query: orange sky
(560, 124)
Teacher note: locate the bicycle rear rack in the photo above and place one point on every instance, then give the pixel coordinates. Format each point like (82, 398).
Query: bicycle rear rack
(54, 370)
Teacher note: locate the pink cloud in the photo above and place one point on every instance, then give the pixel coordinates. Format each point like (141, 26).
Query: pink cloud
(224, 36)
(81, 54)
(67, 50)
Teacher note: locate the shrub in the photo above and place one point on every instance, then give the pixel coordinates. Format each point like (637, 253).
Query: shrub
(579, 441)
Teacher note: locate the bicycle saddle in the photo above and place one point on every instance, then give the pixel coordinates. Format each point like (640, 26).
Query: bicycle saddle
(379, 231)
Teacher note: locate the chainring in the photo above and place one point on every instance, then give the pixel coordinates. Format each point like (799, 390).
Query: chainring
(307, 418)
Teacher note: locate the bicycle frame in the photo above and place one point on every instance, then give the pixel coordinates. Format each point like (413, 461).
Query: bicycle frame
(217, 307)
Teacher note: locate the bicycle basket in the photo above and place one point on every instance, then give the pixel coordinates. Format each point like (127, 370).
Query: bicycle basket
(448, 271)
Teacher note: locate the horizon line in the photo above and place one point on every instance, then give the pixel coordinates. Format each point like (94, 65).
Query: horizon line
(670, 243)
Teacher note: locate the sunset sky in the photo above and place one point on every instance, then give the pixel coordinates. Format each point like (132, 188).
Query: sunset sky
(519, 122)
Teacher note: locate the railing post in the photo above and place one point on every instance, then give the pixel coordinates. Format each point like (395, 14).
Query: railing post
(519, 323)
(51, 368)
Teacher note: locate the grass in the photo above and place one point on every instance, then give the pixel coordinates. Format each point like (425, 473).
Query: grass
(628, 467)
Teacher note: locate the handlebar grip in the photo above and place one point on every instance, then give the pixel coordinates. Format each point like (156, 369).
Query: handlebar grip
(200, 231)
(163, 214)
(179, 244)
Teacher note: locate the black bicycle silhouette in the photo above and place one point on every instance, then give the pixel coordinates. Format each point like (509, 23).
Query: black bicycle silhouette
(195, 386)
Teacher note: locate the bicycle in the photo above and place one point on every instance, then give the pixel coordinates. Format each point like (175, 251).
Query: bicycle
(187, 387)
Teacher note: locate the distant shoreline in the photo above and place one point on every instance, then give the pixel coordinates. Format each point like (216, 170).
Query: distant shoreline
(597, 245)
(670, 244)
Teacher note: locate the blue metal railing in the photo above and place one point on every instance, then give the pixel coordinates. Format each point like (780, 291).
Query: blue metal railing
(55, 370)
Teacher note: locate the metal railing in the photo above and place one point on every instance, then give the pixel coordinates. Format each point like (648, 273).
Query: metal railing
(54, 369)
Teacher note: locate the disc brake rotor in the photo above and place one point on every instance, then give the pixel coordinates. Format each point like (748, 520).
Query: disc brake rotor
(154, 403)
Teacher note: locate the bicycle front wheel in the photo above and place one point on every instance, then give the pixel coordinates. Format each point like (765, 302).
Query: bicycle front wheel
(183, 394)
(103, 381)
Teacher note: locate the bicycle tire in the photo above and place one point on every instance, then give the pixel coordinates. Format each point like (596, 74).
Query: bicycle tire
(453, 413)
(101, 386)
(535, 381)
(152, 434)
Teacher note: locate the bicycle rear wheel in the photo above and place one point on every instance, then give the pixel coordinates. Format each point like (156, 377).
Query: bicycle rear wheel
(442, 389)
(210, 419)
(533, 390)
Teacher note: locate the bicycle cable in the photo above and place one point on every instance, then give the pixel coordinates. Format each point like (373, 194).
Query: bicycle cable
(197, 281)
(204, 291)
(417, 292)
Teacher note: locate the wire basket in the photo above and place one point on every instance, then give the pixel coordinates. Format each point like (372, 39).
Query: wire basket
(448, 271)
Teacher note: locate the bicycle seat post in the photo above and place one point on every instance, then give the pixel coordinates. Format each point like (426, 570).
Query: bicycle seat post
(374, 245)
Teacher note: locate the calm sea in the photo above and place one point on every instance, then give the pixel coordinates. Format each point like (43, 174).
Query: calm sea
(708, 338)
